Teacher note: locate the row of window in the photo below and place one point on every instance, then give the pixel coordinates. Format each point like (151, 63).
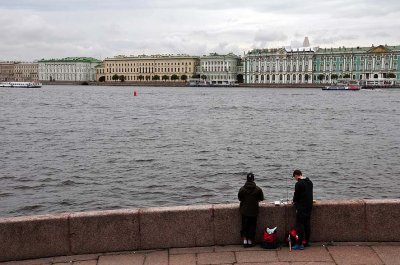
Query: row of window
(66, 71)
(290, 78)
(67, 77)
(268, 59)
(206, 63)
(215, 68)
(108, 65)
(146, 70)
(281, 68)
(387, 57)
(143, 78)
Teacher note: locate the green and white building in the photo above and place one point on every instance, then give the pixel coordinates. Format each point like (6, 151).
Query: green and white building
(68, 69)
(321, 65)
(356, 63)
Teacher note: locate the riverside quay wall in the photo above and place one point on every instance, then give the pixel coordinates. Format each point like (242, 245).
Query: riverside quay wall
(188, 226)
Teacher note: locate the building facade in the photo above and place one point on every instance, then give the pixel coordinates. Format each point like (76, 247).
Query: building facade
(148, 68)
(220, 69)
(357, 63)
(7, 71)
(68, 69)
(279, 66)
(26, 72)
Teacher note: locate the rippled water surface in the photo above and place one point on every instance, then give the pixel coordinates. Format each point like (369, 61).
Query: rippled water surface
(75, 148)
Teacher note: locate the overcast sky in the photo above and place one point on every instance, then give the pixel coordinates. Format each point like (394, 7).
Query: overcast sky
(36, 29)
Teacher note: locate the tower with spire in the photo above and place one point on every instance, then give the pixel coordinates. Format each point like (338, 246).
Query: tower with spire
(306, 42)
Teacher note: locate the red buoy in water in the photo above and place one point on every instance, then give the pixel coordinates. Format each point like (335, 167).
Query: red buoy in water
(134, 92)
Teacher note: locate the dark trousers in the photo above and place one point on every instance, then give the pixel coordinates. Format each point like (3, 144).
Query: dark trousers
(303, 226)
(249, 224)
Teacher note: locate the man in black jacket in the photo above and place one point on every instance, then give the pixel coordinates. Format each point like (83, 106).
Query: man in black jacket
(249, 196)
(303, 202)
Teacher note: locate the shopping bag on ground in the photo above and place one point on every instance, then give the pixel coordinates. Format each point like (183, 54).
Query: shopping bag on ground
(270, 238)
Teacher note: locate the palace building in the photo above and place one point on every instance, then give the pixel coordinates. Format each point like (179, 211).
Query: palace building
(68, 69)
(357, 63)
(279, 66)
(148, 68)
(321, 65)
(220, 69)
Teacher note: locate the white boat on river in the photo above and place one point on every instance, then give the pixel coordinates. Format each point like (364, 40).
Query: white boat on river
(21, 84)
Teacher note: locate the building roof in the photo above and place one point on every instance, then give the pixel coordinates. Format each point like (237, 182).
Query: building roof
(372, 49)
(151, 57)
(282, 50)
(71, 60)
(219, 56)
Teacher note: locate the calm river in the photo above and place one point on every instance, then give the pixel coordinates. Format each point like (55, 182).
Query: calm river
(78, 148)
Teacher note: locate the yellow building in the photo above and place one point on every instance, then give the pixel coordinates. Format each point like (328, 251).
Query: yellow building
(148, 68)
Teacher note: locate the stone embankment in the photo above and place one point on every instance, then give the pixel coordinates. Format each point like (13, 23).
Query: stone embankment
(175, 84)
(188, 226)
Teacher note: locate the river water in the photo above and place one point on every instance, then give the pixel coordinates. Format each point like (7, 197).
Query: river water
(79, 148)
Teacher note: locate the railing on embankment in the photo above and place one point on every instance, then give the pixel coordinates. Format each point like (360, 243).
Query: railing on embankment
(188, 226)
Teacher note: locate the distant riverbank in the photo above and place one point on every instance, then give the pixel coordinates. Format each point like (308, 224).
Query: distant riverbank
(176, 84)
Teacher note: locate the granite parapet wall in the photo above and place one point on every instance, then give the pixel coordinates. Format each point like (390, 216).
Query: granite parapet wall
(188, 226)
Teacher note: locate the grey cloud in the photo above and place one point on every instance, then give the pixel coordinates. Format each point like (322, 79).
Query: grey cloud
(55, 28)
(267, 35)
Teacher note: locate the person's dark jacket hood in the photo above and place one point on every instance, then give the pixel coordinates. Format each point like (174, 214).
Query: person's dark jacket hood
(249, 196)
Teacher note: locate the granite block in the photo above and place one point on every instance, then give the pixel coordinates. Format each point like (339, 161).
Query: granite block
(390, 255)
(354, 255)
(125, 259)
(227, 224)
(181, 226)
(34, 237)
(182, 259)
(104, 231)
(216, 258)
(382, 220)
(339, 221)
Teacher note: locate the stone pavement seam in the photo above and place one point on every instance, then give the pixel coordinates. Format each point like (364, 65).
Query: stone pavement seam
(330, 254)
(213, 222)
(366, 232)
(139, 227)
(69, 234)
(377, 254)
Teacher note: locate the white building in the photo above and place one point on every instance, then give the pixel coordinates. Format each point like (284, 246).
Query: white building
(68, 69)
(219, 69)
(279, 66)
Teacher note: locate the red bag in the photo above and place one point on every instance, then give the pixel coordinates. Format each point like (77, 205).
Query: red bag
(270, 238)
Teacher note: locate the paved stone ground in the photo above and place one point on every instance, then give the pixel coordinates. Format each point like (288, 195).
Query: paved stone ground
(379, 254)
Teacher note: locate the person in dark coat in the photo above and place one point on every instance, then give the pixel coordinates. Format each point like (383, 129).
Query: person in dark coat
(249, 196)
(303, 202)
